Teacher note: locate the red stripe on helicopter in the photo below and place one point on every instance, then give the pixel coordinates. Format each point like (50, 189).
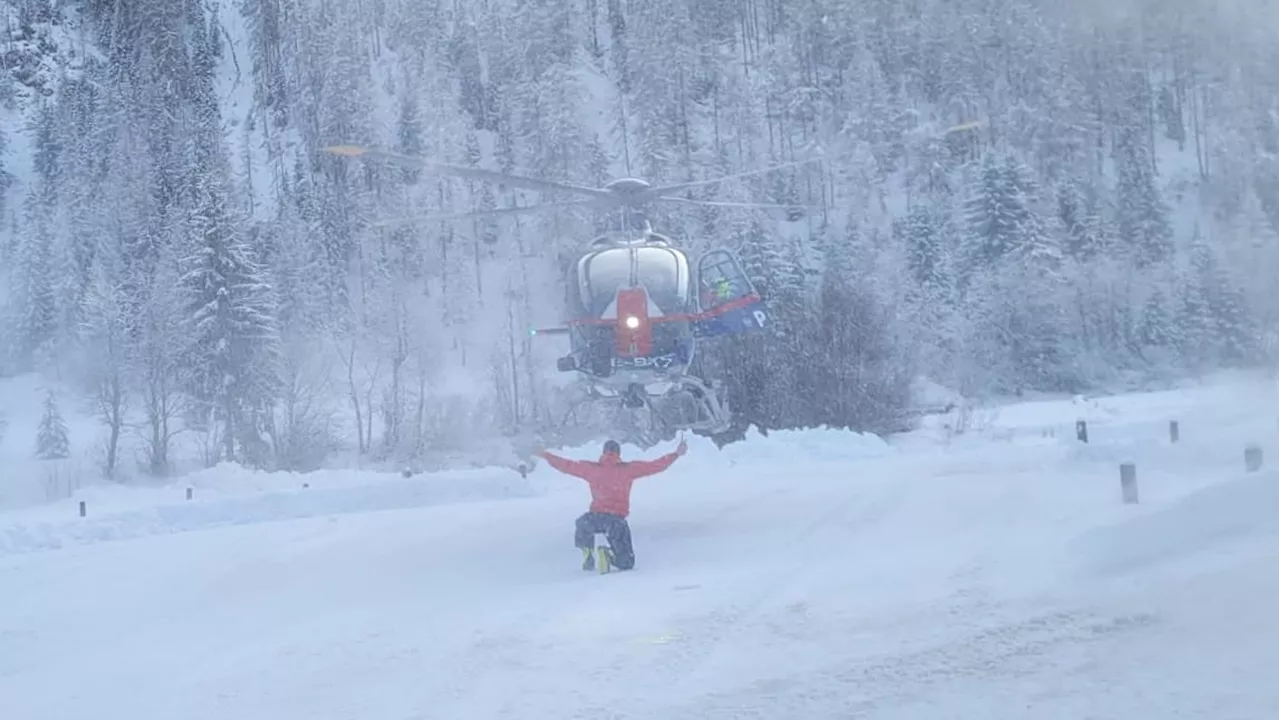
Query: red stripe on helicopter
(730, 306)
(633, 306)
(681, 318)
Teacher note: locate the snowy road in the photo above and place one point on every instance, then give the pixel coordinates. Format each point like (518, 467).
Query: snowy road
(993, 580)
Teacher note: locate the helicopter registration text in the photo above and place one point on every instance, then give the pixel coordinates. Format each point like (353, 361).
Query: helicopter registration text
(658, 362)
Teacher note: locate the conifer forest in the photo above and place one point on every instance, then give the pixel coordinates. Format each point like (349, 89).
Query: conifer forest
(1012, 197)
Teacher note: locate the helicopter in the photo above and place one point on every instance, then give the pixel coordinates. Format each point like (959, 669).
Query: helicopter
(639, 304)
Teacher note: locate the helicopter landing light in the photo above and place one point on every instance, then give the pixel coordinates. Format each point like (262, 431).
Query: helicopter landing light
(633, 337)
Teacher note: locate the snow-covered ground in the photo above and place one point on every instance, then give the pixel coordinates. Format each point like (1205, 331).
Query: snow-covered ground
(990, 574)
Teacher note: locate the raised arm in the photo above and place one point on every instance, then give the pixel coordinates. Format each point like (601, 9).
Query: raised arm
(576, 468)
(644, 468)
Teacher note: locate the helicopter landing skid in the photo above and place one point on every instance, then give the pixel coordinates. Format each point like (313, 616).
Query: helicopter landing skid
(707, 414)
(686, 404)
(634, 397)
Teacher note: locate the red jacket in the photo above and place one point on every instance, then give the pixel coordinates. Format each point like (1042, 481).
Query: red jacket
(610, 478)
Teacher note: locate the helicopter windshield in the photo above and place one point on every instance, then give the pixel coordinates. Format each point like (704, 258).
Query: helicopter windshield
(663, 272)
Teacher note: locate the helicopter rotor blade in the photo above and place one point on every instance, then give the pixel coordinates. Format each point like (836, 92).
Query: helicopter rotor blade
(749, 205)
(438, 217)
(470, 173)
(713, 181)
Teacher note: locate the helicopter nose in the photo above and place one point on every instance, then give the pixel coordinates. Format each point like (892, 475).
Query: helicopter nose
(632, 332)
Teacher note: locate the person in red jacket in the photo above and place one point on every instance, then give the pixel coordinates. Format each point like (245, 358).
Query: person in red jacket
(610, 480)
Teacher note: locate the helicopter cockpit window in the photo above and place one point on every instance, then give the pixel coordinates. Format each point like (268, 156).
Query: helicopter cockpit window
(663, 273)
(603, 273)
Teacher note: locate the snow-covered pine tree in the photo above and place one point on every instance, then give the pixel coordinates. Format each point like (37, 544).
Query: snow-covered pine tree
(858, 376)
(232, 331)
(929, 243)
(463, 53)
(923, 235)
(409, 135)
(1247, 258)
(269, 35)
(1009, 248)
(34, 316)
(80, 119)
(1159, 332)
(1215, 314)
(788, 355)
(1142, 217)
(1085, 236)
(53, 440)
(1035, 244)
(1169, 109)
(992, 215)
(37, 264)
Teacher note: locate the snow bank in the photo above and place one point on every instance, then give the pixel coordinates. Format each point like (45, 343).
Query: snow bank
(1206, 523)
(231, 495)
(819, 446)
(1216, 422)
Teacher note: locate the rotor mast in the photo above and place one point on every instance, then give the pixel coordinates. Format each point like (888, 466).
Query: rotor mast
(631, 197)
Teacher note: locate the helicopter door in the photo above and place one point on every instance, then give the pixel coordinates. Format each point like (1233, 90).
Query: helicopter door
(728, 302)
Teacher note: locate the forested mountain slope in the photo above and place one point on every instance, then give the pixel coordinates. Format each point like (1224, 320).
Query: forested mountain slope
(1019, 195)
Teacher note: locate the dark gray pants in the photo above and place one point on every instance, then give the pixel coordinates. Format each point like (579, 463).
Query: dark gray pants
(615, 528)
